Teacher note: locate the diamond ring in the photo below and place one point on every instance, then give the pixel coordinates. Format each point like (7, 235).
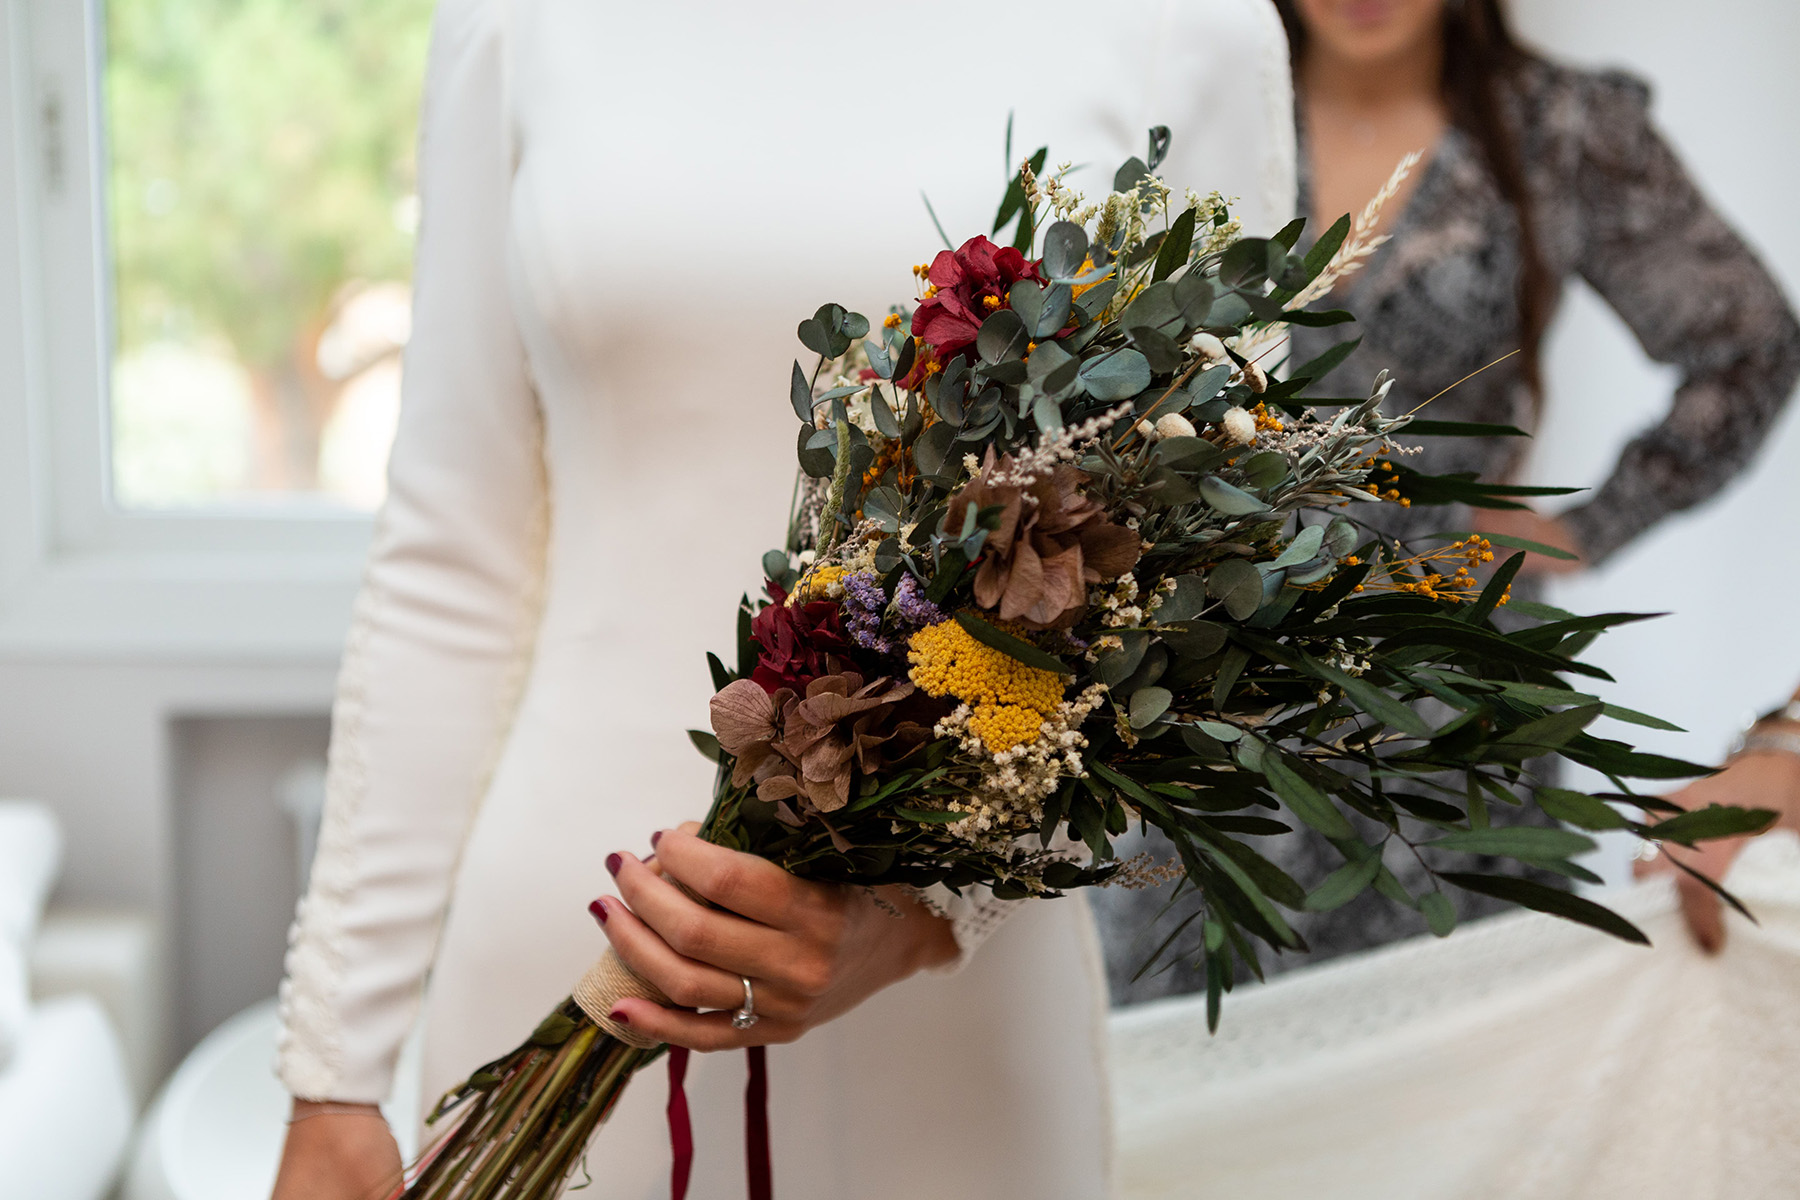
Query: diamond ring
(746, 1016)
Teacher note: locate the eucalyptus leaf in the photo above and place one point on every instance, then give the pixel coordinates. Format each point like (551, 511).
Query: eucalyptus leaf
(1237, 585)
(800, 392)
(1002, 336)
(1147, 704)
(1228, 499)
(1183, 603)
(1065, 248)
(1194, 639)
(1116, 375)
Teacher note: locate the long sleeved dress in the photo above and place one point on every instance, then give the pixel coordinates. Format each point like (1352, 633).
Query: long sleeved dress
(1612, 206)
(626, 209)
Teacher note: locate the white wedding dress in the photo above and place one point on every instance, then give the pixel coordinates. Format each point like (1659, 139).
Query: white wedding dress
(1523, 1058)
(626, 210)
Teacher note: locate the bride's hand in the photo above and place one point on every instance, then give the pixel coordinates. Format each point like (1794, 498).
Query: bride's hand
(811, 951)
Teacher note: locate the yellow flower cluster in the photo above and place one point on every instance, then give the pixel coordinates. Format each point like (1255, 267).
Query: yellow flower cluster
(1396, 576)
(1010, 700)
(820, 583)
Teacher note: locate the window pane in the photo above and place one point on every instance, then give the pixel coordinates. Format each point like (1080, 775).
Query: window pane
(263, 206)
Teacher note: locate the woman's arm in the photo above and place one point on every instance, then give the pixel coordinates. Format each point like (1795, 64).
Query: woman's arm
(445, 623)
(1696, 297)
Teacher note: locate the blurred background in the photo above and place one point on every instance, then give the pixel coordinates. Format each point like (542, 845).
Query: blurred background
(208, 208)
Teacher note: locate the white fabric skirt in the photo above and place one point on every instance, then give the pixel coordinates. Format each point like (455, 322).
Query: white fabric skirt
(1524, 1057)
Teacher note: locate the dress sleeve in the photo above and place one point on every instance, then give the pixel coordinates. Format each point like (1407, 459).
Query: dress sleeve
(1696, 297)
(446, 619)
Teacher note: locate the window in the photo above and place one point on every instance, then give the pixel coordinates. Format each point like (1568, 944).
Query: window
(205, 230)
(259, 193)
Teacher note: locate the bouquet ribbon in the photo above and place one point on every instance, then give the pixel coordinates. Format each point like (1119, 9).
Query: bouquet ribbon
(606, 983)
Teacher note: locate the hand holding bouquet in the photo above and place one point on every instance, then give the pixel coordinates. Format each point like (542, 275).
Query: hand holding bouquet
(1064, 557)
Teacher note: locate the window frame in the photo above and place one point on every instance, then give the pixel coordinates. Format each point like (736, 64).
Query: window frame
(79, 574)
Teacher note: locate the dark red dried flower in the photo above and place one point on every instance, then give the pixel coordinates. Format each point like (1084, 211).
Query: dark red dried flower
(797, 643)
(966, 281)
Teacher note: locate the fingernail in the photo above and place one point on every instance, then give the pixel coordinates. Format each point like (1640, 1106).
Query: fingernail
(598, 908)
(650, 860)
(655, 838)
(612, 864)
(616, 1015)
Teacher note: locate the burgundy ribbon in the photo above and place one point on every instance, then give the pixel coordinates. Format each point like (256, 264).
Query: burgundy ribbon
(681, 1126)
(756, 1125)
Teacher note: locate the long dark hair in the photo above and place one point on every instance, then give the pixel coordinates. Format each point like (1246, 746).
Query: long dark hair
(1480, 56)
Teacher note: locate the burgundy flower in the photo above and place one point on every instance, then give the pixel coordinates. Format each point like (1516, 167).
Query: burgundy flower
(797, 643)
(966, 282)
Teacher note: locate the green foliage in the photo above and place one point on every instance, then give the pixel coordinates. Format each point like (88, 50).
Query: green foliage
(1277, 662)
(262, 156)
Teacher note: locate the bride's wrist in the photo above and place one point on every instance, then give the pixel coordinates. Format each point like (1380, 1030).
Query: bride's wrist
(304, 1110)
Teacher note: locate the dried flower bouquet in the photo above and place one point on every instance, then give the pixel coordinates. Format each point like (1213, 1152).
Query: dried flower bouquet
(1064, 557)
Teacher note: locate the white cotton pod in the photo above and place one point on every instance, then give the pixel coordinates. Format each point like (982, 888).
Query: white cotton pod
(1208, 345)
(1146, 430)
(1239, 426)
(1174, 425)
(1255, 378)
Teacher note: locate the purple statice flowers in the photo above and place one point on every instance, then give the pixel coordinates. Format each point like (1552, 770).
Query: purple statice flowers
(866, 604)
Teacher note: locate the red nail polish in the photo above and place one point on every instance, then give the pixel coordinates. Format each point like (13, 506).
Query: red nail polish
(612, 864)
(655, 838)
(598, 908)
(616, 1015)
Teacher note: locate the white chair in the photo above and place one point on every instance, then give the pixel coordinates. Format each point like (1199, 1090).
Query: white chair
(215, 1131)
(66, 1102)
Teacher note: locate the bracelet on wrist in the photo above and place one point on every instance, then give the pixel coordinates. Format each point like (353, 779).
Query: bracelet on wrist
(1779, 741)
(337, 1110)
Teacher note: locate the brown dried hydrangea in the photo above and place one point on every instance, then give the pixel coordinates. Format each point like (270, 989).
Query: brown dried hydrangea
(1053, 540)
(810, 748)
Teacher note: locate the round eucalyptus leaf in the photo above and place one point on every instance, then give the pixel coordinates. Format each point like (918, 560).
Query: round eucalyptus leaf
(815, 337)
(933, 446)
(1149, 703)
(1065, 247)
(1185, 602)
(1158, 348)
(1194, 639)
(1154, 306)
(816, 461)
(1027, 299)
(1238, 585)
(854, 325)
(1115, 666)
(1116, 375)
(775, 564)
(1002, 337)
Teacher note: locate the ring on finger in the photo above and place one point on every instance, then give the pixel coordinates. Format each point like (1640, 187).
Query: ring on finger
(746, 1016)
(1647, 850)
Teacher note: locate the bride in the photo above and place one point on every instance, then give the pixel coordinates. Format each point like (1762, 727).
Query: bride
(626, 209)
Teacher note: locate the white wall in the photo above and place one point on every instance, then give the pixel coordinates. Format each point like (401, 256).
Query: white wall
(1728, 98)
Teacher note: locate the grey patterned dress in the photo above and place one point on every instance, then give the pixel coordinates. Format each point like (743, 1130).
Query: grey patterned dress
(1614, 207)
